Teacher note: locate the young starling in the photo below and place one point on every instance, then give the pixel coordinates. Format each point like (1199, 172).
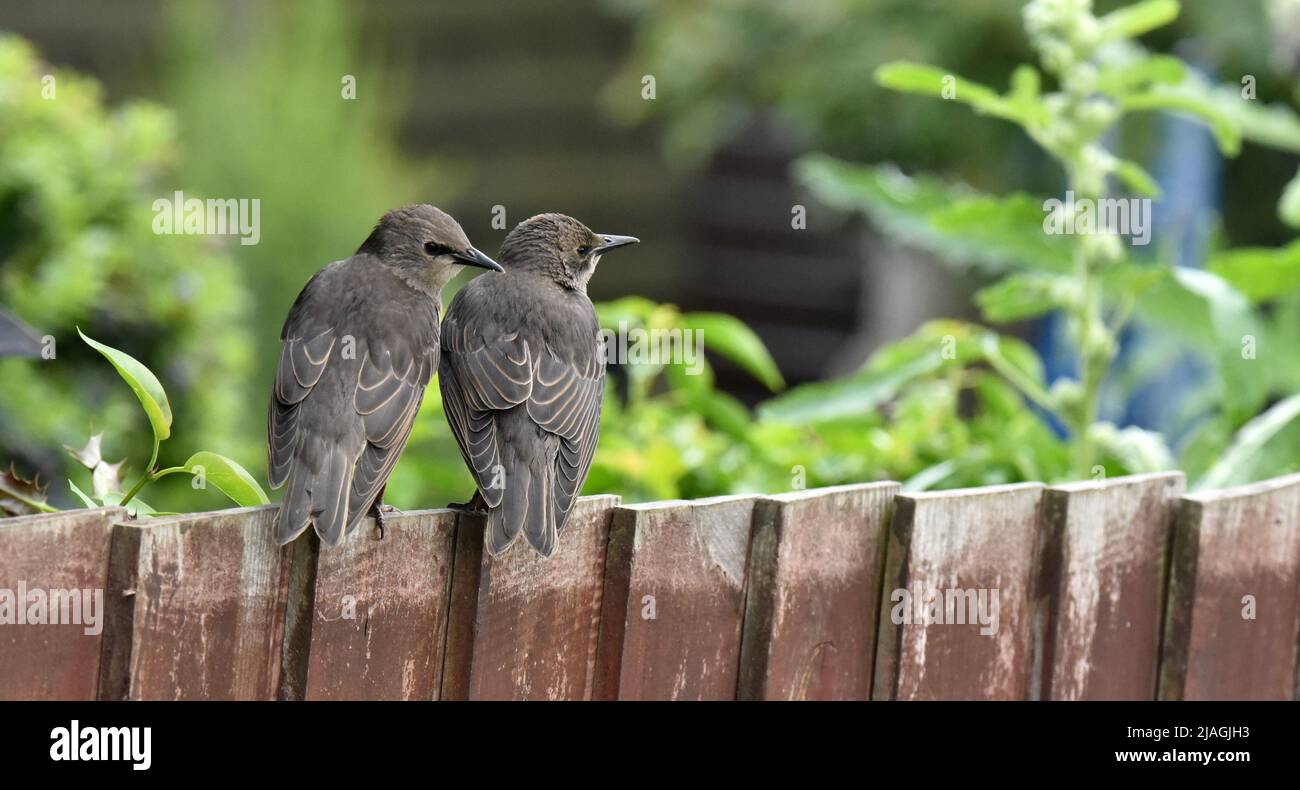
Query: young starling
(359, 347)
(522, 377)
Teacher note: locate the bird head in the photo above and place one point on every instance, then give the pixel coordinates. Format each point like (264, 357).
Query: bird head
(560, 247)
(424, 239)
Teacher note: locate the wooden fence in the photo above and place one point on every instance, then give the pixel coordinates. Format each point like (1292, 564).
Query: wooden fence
(1122, 589)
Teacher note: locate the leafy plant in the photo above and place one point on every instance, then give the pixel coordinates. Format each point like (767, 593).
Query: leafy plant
(1095, 280)
(77, 184)
(107, 485)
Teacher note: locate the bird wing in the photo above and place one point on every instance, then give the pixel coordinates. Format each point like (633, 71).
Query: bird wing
(342, 408)
(561, 393)
(565, 400)
(387, 399)
(477, 378)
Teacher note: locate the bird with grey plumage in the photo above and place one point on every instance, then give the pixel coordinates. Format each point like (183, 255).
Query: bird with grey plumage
(358, 349)
(522, 378)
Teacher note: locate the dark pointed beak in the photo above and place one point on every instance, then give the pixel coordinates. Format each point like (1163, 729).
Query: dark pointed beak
(472, 257)
(609, 241)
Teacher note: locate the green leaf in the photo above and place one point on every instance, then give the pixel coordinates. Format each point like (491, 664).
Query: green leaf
(1189, 99)
(1235, 465)
(1023, 106)
(1136, 178)
(846, 397)
(1135, 20)
(143, 383)
(1288, 208)
(90, 503)
(1260, 273)
(1018, 297)
(1274, 125)
(730, 337)
(630, 310)
(232, 479)
(1243, 387)
(1132, 74)
(1019, 364)
(1009, 227)
(959, 225)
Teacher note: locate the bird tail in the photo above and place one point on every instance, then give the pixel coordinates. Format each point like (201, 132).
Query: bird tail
(316, 494)
(527, 506)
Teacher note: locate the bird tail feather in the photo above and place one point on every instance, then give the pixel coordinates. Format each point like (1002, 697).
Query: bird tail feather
(527, 506)
(316, 496)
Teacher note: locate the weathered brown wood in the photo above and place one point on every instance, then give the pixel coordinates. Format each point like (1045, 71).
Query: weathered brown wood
(1104, 577)
(203, 607)
(674, 600)
(459, 649)
(966, 546)
(379, 613)
(50, 558)
(814, 587)
(1234, 594)
(536, 620)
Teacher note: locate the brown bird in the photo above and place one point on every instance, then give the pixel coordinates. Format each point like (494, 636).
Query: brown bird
(359, 347)
(522, 377)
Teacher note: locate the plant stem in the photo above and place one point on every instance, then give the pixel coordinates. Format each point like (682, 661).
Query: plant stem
(43, 507)
(146, 478)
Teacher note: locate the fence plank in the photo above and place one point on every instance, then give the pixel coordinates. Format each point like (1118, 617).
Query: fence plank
(982, 541)
(1104, 575)
(674, 600)
(379, 610)
(534, 621)
(1234, 594)
(814, 586)
(202, 602)
(39, 555)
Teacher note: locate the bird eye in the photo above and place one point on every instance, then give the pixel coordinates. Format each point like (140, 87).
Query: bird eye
(583, 250)
(435, 249)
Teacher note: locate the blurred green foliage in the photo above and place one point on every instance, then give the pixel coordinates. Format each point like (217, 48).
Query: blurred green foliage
(1101, 284)
(77, 184)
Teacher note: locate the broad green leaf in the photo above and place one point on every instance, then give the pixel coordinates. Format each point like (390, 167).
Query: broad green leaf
(1274, 125)
(1010, 227)
(1260, 273)
(954, 222)
(231, 478)
(1189, 99)
(1134, 20)
(90, 503)
(1235, 465)
(731, 338)
(1244, 386)
(1019, 364)
(846, 397)
(143, 383)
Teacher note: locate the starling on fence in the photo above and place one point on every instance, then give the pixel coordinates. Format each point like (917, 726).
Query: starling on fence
(522, 375)
(359, 347)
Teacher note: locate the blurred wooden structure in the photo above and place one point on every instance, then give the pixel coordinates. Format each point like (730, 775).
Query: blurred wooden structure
(1117, 589)
(517, 115)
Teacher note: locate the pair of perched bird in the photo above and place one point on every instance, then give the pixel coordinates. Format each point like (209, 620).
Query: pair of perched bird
(519, 367)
